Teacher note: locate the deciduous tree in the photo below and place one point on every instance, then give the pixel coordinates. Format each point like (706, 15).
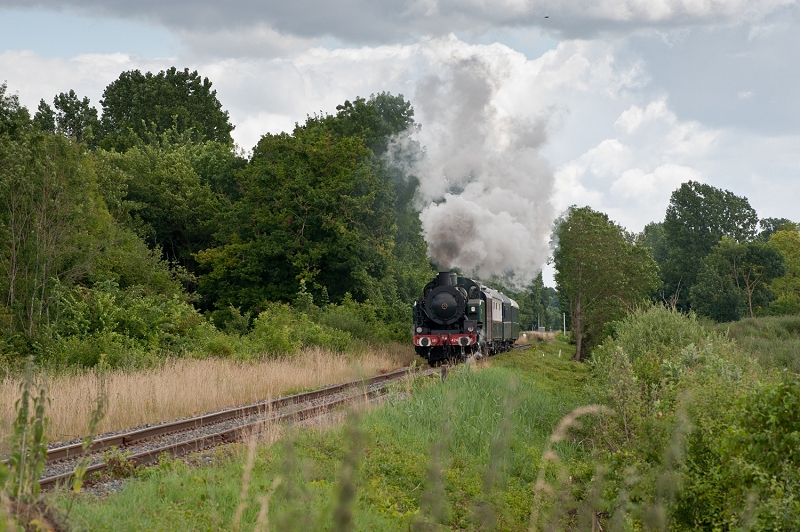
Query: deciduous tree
(697, 218)
(769, 226)
(312, 210)
(734, 279)
(143, 106)
(600, 272)
(787, 288)
(52, 221)
(169, 203)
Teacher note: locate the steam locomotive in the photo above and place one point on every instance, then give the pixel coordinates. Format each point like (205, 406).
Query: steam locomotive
(457, 317)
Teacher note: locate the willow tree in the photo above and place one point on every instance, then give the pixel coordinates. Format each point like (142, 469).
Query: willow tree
(601, 272)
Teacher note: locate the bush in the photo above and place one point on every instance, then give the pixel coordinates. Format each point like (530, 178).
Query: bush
(127, 326)
(742, 465)
(367, 321)
(675, 388)
(283, 330)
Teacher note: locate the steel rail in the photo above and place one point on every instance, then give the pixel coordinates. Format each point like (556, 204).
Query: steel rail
(208, 441)
(128, 438)
(272, 406)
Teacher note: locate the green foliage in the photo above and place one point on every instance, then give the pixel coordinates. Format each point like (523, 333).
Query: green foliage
(280, 330)
(218, 165)
(654, 237)
(312, 209)
(774, 341)
(787, 288)
(742, 471)
(770, 226)
(53, 223)
(366, 322)
(139, 106)
(119, 327)
(375, 121)
(73, 117)
(599, 272)
(45, 118)
(100, 250)
(706, 437)
(652, 339)
(734, 279)
(168, 201)
(14, 118)
(697, 218)
(118, 463)
(384, 124)
(28, 443)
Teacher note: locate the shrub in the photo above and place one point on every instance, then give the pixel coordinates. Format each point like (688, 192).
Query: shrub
(742, 467)
(127, 326)
(283, 330)
(367, 321)
(674, 387)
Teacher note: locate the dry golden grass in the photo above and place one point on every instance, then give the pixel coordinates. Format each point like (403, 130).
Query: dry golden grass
(188, 387)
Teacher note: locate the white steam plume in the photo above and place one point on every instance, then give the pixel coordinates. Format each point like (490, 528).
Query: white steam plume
(484, 190)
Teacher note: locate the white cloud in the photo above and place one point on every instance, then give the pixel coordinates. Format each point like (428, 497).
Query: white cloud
(632, 175)
(35, 77)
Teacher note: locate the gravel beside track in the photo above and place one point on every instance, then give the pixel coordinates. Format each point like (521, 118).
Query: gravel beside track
(143, 445)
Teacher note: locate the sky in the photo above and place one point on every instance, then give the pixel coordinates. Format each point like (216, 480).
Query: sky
(526, 106)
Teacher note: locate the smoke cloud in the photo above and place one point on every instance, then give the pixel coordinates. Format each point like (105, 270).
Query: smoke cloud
(484, 189)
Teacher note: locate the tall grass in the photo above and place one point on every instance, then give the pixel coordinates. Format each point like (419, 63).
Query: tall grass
(773, 340)
(183, 387)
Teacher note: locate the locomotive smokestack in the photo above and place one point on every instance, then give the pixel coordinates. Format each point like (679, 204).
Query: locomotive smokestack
(447, 279)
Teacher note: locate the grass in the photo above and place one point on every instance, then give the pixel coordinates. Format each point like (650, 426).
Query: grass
(485, 427)
(774, 341)
(184, 387)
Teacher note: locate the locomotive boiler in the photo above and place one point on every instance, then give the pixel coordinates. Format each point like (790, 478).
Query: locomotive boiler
(457, 317)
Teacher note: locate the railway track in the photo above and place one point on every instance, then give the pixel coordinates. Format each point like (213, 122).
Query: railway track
(176, 438)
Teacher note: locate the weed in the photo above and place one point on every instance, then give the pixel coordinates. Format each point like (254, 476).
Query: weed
(118, 463)
(248, 468)
(343, 513)
(29, 442)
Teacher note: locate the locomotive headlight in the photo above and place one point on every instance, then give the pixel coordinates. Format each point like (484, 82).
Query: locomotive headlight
(470, 329)
(419, 329)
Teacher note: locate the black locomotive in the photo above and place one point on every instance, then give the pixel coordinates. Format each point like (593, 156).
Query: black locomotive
(457, 317)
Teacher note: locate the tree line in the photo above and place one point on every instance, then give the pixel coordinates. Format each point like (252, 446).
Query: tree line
(711, 255)
(149, 199)
(144, 215)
